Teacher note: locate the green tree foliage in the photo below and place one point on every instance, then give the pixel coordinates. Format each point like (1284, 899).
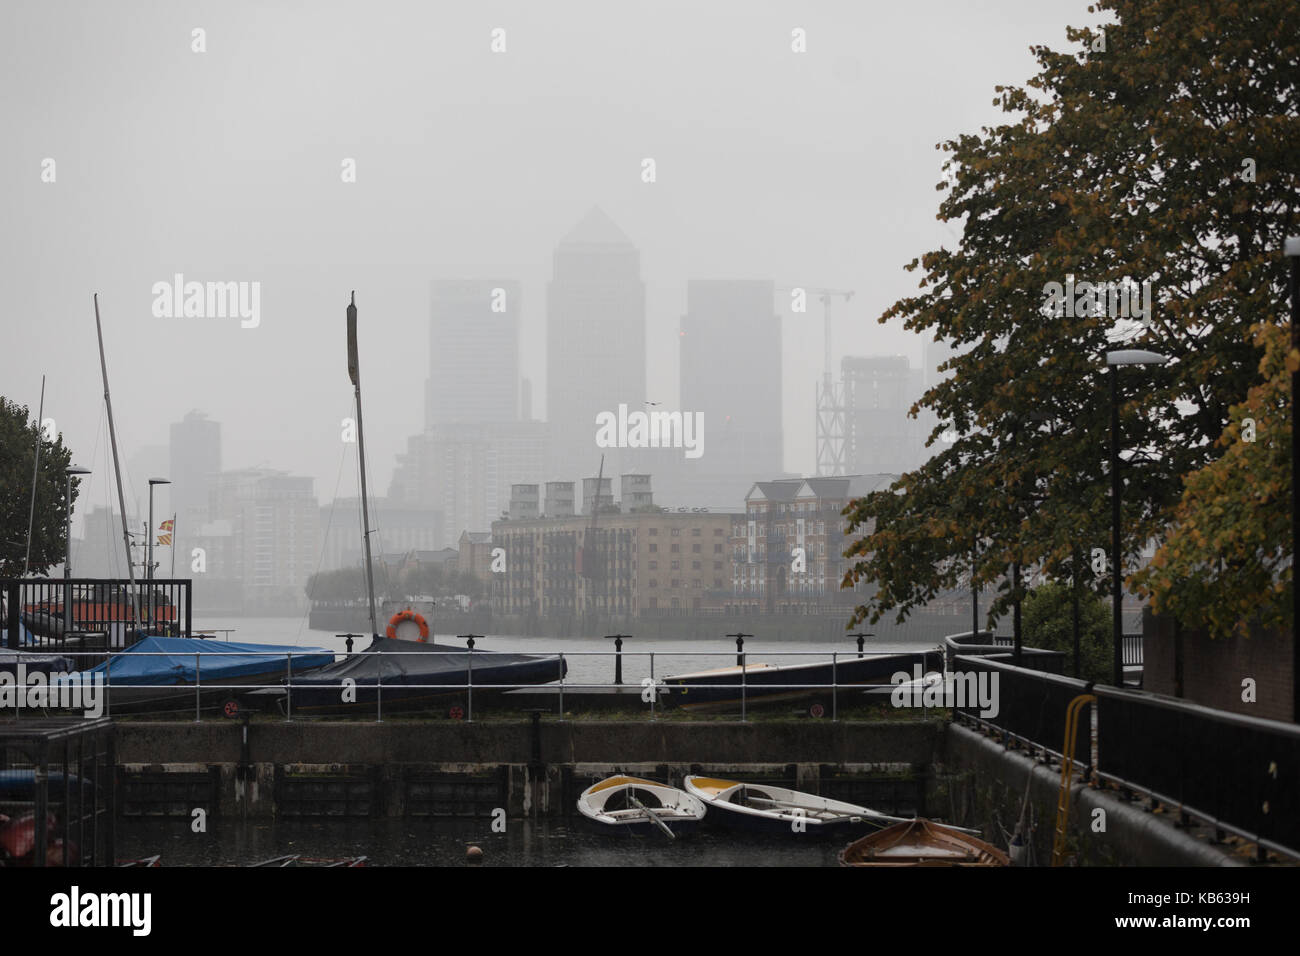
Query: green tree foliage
(1225, 562)
(341, 585)
(1048, 621)
(18, 437)
(1124, 159)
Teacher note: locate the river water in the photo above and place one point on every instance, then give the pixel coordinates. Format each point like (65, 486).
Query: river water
(443, 842)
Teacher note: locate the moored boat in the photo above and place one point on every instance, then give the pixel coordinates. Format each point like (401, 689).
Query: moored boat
(393, 676)
(763, 682)
(922, 843)
(623, 804)
(771, 809)
(161, 673)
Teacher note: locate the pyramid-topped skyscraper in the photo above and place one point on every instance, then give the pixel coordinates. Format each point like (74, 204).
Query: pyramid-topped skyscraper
(595, 338)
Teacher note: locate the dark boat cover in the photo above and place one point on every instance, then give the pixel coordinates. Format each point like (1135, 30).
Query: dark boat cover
(171, 660)
(33, 662)
(397, 663)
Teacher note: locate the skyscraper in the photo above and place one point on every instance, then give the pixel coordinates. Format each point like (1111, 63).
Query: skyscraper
(595, 341)
(878, 394)
(473, 352)
(731, 371)
(195, 459)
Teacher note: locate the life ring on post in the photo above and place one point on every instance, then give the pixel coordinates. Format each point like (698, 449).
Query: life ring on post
(401, 617)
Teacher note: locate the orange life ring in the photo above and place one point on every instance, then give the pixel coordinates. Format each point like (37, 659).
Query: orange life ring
(407, 615)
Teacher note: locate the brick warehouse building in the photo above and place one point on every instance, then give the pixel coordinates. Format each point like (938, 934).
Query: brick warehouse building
(794, 513)
(636, 563)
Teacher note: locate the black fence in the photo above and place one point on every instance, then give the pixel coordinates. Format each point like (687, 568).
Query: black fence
(57, 792)
(84, 613)
(1241, 774)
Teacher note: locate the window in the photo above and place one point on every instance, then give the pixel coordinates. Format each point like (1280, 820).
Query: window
(676, 583)
(717, 532)
(695, 549)
(654, 548)
(676, 548)
(676, 565)
(695, 565)
(695, 532)
(654, 565)
(653, 584)
(717, 549)
(676, 532)
(717, 565)
(654, 532)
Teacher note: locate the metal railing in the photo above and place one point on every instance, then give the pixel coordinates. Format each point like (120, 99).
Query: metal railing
(1233, 772)
(752, 683)
(52, 612)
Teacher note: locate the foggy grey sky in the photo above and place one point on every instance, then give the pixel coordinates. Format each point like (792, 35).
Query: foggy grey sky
(815, 169)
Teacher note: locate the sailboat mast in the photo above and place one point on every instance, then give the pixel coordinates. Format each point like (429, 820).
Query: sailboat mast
(117, 468)
(36, 470)
(354, 372)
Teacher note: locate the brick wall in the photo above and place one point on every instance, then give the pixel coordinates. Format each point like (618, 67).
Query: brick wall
(1214, 669)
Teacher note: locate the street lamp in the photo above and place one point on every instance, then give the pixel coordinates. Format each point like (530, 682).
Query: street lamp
(70, 471)
(149, 544)
(1292, 250)
(1115, 360)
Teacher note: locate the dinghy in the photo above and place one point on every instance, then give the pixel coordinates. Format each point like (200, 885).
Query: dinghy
(778, 810)
(631, 805)
(922, 843)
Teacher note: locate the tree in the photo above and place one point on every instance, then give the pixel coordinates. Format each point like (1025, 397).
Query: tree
(18, 438)
(1049, 623)
(1225, 562)
(1126, 160)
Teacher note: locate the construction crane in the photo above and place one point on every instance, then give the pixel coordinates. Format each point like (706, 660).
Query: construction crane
(830, 395)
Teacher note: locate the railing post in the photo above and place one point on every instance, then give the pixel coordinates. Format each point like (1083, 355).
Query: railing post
(288, 697)
(198, 687)
(561, 685)
(835, 687)
(654, 691)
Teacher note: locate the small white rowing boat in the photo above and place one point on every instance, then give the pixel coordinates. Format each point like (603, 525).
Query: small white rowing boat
(779, 810)
(632, 805)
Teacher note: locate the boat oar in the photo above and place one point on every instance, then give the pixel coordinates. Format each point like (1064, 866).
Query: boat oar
(651, 814)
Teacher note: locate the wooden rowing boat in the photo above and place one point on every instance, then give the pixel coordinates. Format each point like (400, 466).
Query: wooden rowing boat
(779, 810)
(922, 843)
(631, 805)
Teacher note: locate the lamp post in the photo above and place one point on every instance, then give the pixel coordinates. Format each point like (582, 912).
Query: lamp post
(1292, 250)
(1115, 360)
(149, 545)
(67, 540)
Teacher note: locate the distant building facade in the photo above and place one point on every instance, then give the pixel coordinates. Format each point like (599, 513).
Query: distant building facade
(466, 472)
(473, 352)
(879, 390)
(788, 514)
(267, 537)
(642, 563)
(398, 529)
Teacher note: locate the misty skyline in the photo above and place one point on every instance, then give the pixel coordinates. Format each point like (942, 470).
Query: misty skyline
(812, 169)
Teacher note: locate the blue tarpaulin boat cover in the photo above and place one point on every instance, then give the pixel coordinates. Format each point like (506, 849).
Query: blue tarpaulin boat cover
(170, 660)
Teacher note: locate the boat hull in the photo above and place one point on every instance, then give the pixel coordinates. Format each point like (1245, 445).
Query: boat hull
(766, 683)
(623, 805)
(394, 676)
(778, 811)
(922, 843)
